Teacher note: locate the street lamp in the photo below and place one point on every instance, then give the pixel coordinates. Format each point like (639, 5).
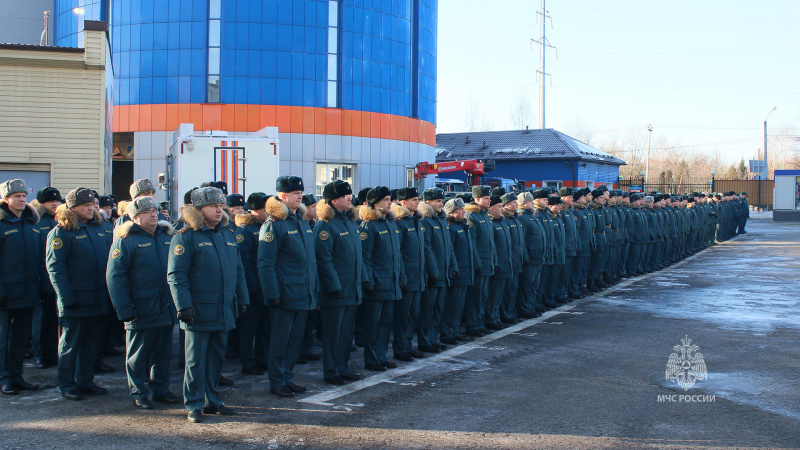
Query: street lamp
(642, 174)
(647, 169)
(713, 174)
(766, 161)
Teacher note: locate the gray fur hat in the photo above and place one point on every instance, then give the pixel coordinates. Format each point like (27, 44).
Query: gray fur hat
(140, 186)
(79, 196)
(524, 197)
(11, 187)
(138, 205)
(453, 204)
(207, 196)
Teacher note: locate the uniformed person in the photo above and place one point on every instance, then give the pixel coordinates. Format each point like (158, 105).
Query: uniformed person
(312, 321)
(234, 205)
(137, 279)
(466, 258)
(21, 271)
(503, 270)
(483, 233)
(440, 266)
(163, 209)
(206, 278)
(559, 251)
(595, 279)
(384, 275)
(187, 200)
(745, 213)
(569, 219)
(254, 323)
(77, 255)
(545, 218)
(106, 205)
(406, 317)
(287, 268)
(584, 233)
(45, 325)
(519, 255)
(340, 265)
(527, 302)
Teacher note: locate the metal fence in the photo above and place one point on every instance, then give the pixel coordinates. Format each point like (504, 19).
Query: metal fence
(759, 192)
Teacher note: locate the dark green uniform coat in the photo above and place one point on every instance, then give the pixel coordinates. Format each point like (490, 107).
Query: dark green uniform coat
(339, 256)
(21, 250)
(441, 261)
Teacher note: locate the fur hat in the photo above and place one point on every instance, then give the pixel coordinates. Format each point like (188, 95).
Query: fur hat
(481, 191)
(499, 191)
(508, 198)
(141, 186)
(221, 185)
(524, 197)
(744, 193)
(205, 196)
(406, 193)
(139, 205)
(648, 198)
(163, 205)
(554, 200)
(105, 200)
(336, 189)
(565, 191)
(578, 193)
(256, 200)
(453, 204)
(377, 194)
(234, 200)
(11, 187)
(467, 197)
(362, 195)
(289, 183)
(597, 193)
(79, 196)
(540, 193)
(433, 194)
(393, 194)
(495, 200)
(635, 197)
(309, 199)
(48, 194)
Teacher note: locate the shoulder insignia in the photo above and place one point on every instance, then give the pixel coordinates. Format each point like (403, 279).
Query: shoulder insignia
(57, 244)
(324, 235)
(239, 238)
(116, 254)
(469, 223)
(178, 250)
(363, 235)
(422, 228)
(268, 236)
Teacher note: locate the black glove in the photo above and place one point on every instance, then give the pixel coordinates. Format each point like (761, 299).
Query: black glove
(2, 301)
(185, 316)
(454, 274)
(274, 302)
(335, 294)
(404, 288)
(478, 270)
(242, 309)
(367, 288)
(71, 306)
(128, 319)
(47, 297)
(432, 280)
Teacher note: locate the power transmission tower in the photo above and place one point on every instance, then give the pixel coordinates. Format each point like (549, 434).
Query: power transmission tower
(543, 45)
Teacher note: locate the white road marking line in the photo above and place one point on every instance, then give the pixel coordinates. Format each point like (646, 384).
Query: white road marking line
(324, 398)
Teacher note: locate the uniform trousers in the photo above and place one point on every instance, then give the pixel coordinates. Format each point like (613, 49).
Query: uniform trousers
(205, 354)
(147, 355)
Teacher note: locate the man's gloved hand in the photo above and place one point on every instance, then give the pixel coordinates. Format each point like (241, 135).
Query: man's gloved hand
(335, 294)
(478, 270)
(453, 274)
(367, 288)
(128, 319)
(46, 297)
(432, 280)
(2, 301)
(242, 309)
(185, 316)
(71, 306)
(274, 302)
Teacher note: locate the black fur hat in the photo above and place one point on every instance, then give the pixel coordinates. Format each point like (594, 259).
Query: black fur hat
(377, 194)
(256, 200)
(541, 193)
(234, 200)
(362, 195)
(48, 194)
(336, 189)
(481, 191)
(405, 193)
(221, 185)
(289, 183)
(433, 194)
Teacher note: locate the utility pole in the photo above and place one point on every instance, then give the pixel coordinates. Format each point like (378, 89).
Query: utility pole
(543, 44)
(647, 170)
(766, 161)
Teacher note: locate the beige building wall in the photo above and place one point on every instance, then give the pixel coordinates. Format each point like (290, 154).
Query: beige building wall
(52, 112)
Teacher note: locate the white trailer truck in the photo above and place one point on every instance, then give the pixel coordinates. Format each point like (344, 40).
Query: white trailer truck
(247, 163)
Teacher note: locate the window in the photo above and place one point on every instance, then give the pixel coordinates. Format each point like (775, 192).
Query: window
(214, 16)
(410, 181)
(327, 172)
(333, 55)
(553, 184)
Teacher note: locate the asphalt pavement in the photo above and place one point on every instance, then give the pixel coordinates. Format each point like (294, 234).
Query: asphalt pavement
(591, 374)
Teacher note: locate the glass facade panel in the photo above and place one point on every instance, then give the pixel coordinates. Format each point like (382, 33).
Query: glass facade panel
(213, 60)
(328, 172)
(213, 33)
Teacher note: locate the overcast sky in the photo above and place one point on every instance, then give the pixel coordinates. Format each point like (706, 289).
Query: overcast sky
(703, 73)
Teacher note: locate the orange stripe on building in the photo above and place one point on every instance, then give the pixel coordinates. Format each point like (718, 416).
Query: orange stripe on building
(288, 119)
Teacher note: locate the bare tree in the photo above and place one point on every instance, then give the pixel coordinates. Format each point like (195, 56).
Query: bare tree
(521, 111)
(475, 117)
(784, 150)
(580, 130)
